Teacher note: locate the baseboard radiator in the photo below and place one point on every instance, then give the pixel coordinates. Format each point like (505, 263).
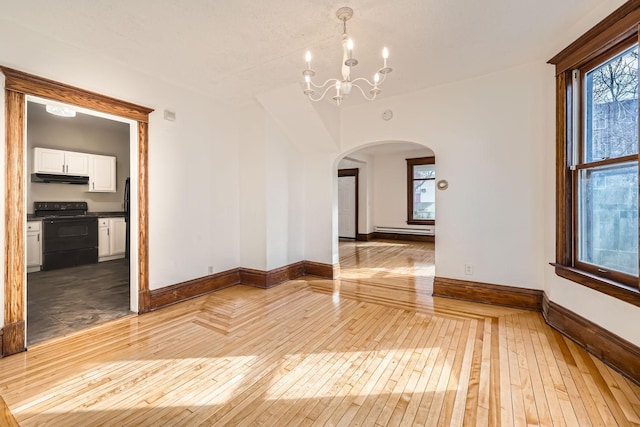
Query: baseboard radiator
(427, 231)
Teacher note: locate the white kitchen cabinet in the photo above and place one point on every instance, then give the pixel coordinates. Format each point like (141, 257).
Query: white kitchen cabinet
(59, 162)
(102, 174)
(112, 242)
(118, 236)
(34, 246)
(103, 238)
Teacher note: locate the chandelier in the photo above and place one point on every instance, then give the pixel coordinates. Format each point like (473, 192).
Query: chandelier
(343, 86)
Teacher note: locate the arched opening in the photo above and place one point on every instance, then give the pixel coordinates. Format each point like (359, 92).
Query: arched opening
(393, 246)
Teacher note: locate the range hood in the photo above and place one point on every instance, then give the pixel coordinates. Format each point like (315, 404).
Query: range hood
(60, 179)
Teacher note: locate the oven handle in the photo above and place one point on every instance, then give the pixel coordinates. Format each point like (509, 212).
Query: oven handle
(67, 221)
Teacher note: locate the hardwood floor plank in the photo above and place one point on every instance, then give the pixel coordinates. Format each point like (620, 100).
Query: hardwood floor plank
(373, 348)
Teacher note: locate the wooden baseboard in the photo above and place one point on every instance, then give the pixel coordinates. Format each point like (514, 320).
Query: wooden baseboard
(262, 279)
(616, 352)
(405, 237)
(394, 236)
(528, 299)
(326, 271)
(13, 338)
(186, 290)
(267, 279)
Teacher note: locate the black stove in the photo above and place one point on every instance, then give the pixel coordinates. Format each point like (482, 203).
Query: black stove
(60, 209)
(70, 236)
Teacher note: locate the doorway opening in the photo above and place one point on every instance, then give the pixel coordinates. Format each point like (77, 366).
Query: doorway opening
(384, 225)
(77, 204)
(18, 86)
(348, 203)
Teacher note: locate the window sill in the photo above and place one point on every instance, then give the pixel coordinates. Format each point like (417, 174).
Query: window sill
(611, 288)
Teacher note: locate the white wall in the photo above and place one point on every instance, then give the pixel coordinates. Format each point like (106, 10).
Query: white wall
(193, 162)
(390, 188)
(489, 152)
(285, 200)
(253, 190)
(271, 194)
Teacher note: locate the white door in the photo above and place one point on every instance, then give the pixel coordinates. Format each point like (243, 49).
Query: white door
(347, 206)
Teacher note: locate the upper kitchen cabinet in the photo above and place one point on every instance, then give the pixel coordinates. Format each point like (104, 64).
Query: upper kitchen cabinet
(59, 162)
(102, 173)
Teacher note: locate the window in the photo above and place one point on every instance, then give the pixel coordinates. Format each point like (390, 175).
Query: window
(605, 167)
(597, 157)
(421, 190)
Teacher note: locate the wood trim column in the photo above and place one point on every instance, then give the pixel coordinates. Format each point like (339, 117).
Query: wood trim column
(144, 297)
(17, 85)
(13, 337)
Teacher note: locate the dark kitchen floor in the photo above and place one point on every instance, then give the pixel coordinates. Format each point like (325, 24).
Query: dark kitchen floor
(69, 299)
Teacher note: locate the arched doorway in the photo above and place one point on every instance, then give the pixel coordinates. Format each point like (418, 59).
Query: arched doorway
(395, 238)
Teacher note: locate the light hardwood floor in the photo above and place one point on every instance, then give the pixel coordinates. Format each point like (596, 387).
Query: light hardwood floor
(373, 348)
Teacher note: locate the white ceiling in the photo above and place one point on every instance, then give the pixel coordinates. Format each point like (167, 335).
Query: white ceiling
(36, 112)
(232, 50)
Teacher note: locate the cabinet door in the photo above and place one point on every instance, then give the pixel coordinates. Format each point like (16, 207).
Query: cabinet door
(76, 163)
(118, 229)
(34, 251)
(46, 160)
(104, 245)
(102, 173)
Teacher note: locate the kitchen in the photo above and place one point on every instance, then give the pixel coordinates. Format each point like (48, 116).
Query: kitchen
(77, 243)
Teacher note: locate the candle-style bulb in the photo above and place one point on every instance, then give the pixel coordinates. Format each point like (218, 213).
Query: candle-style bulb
(350, 44)
(385, 53)
(376, 78)
(307, 57)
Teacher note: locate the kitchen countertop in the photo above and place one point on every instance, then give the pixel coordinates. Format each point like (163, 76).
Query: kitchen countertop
(106, 214)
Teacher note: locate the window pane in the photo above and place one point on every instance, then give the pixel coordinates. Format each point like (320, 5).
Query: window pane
(608, 217)
(424, 199)
(611, 98)
(424, 171)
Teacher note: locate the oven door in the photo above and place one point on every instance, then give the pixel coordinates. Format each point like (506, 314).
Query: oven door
(69, 242)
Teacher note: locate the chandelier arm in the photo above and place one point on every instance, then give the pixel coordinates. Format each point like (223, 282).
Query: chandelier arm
(384, 76)
(362, 91)
(323, 93)
(363, 79)
(332, 81)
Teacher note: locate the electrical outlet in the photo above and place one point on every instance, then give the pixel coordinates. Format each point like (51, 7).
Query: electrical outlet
(468, 269)
(210, 269)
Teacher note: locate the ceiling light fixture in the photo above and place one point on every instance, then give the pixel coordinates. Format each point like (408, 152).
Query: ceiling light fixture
(344, 85)
(61, 111)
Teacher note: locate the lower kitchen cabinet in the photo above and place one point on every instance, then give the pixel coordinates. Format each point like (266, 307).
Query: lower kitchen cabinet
(34, 246)
(112, 242)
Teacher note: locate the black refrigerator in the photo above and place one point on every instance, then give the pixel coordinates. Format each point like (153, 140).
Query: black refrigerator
(127, 212)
